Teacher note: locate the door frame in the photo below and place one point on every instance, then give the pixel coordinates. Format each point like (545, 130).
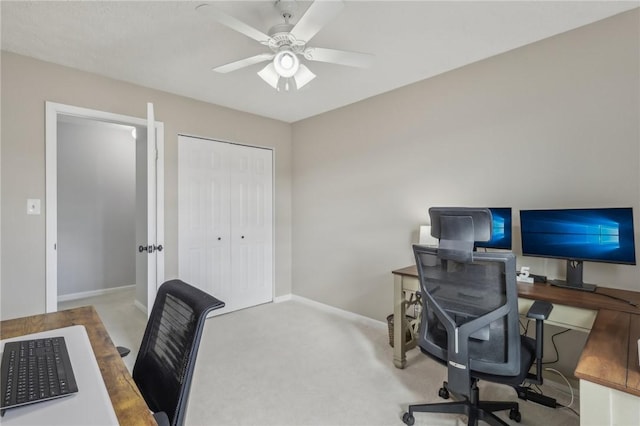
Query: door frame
(52, 111)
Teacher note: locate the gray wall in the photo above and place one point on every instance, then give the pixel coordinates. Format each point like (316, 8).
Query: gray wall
(96, 206)
(26, 85)
(550, 125)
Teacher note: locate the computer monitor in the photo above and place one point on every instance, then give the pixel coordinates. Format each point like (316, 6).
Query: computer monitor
(501, 229)
(577, 235)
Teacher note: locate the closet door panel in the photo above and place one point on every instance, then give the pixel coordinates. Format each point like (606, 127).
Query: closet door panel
(203, 215)
(251, 225)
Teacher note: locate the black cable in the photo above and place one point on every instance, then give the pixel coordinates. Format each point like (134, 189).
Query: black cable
(564, 406)
(555, 347)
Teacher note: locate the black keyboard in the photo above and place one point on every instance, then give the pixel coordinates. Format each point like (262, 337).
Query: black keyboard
(35, 370)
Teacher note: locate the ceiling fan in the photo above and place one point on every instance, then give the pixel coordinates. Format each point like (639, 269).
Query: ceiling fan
(288, 42)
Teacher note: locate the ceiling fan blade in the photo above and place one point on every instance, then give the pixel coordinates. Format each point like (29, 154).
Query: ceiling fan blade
(341, 57)
(233, 23)
(303, 76)
(269, 75)
(319, 13)
(232, 66)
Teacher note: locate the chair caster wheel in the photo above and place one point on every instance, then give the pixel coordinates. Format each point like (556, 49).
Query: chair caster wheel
(408, 419)
(514, 414)
(443, 393)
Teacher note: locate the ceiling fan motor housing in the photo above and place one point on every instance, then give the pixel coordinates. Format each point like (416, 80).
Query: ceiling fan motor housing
(281, 37)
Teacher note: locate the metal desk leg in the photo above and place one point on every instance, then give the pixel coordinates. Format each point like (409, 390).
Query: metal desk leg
(399, 326)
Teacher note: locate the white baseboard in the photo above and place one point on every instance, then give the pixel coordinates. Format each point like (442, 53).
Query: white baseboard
(92, 293)
(284, 298)
(140, 306)
(343, 313)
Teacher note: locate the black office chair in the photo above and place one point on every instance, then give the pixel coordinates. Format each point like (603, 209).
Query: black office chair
(470, 318)
(166, 360)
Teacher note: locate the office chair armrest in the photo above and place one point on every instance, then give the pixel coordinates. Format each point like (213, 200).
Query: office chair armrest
(161, 418)
(540, 310)
(123, 351)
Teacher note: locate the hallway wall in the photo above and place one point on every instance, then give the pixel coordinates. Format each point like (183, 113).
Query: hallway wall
(96, 206)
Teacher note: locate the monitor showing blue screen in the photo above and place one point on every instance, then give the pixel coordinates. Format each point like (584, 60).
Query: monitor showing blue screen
(598, 235)
(501, 229)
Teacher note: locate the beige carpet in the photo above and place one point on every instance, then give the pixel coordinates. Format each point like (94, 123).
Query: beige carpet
(295, 363)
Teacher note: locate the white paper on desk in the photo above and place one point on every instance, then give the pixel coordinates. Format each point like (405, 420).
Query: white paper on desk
(89, 406)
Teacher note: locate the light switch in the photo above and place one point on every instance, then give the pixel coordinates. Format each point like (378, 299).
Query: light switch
(33, 206)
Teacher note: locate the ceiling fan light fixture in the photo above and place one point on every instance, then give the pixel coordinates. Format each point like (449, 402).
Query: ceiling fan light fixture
(286, 63)
(286, 85)
(269, 75)
(303, 76)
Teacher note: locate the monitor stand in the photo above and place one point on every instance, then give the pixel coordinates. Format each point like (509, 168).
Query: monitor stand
(583, 287)
(574, 278)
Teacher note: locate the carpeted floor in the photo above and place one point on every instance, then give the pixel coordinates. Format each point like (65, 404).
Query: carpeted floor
(296, 363)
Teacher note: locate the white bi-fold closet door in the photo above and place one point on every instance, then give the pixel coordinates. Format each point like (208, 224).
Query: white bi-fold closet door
(225, 220)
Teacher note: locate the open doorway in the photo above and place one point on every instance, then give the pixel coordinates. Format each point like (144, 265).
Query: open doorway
(104, 202)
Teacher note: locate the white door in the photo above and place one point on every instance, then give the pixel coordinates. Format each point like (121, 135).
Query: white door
(251, 226)
(155, 202)
(155, 208)
(203, 215)
(225, 236)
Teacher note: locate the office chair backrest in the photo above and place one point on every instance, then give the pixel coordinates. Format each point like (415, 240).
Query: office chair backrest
(165, 363)
(470, 319)
(458, 228)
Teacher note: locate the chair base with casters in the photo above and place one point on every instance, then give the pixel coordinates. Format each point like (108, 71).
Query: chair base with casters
(474, 409)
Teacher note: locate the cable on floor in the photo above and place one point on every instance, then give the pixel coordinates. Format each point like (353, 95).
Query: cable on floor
(570, 390)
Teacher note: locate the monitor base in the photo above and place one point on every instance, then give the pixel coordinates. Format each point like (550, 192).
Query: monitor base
(583, 287)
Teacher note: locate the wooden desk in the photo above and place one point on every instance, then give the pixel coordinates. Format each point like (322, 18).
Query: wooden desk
(608, 371)
(608, 367)
(128, 404)
(610, 356)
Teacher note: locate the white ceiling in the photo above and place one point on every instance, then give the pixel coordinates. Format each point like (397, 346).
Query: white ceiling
(168, 45)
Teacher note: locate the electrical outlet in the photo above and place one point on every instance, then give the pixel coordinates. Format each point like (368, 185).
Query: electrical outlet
(33, 206)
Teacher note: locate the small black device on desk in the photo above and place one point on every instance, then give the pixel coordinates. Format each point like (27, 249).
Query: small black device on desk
(538, 278)
(35, 370)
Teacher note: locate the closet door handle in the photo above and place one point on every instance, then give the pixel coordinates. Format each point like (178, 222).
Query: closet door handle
(242, 237)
